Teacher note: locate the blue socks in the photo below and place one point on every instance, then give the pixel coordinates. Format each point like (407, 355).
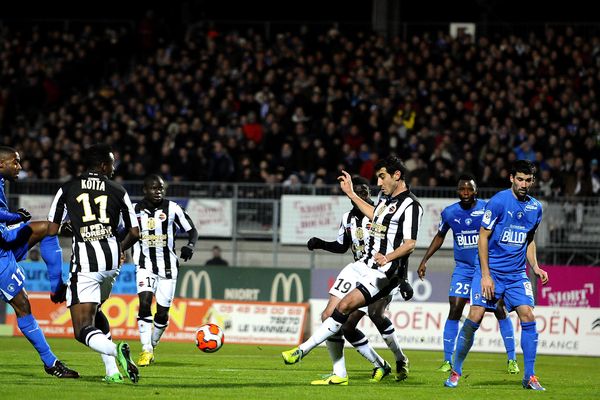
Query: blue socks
(30, 328)
(52, 255)
(508, 335)
(450, 332)
(463, 344)
(529, 339)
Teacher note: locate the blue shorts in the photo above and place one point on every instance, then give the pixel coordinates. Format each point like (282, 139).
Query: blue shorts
(515, 289)
(460, 285)
(18, 245)
(12, 278)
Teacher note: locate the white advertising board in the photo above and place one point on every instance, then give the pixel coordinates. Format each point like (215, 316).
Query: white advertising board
(260, 323)
(37, 205)
(211, 217)
(420, 326)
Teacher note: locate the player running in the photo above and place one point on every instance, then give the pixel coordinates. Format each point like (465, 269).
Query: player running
(156, 261)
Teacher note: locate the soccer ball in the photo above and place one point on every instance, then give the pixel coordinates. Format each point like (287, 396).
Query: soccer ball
(209, 338)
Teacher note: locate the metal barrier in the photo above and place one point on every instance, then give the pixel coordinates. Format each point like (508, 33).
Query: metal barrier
(573, 224)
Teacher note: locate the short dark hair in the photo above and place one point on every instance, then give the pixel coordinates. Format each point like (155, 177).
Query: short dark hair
(97, 154)
(391, 165)
(524, 166)
(150, 179)
(6, 151)
(361, 185)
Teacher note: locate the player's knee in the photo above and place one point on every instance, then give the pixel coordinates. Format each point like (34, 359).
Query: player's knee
(353, 335)
(161, 318)
(144, 310)
(381, 323)
(83, 334)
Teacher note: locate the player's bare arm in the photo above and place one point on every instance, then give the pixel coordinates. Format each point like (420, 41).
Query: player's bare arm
(435, 245)
(532, 260)
(346, 185)
(487, 283)
(406, 248)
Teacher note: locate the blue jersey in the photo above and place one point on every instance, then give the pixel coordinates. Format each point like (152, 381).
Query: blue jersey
(465, 229)
(511, 222)
(6, 217)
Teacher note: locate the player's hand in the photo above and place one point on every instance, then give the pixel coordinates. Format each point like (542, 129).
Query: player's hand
(487, 287)
(421, 270)
(122, 258)
(406, 290)
(60, 296)
(24, 214)
(186, 252)
(65, 229)
(346, 183)
(380, 259)
(314, 243)
(543, 275)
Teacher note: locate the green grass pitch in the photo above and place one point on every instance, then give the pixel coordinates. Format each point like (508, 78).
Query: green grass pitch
(257, 372)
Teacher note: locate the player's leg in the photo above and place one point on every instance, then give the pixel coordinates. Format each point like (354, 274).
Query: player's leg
(110, 363)
(145, 288)
(165, 292)
(508, 336)
(328, 328)
(25, 236)
(388, 333)
(467, 333)
(458, 294)
(457, 305)
(359, 341)
(86, 291)
(13, 292)
(519, 296)
(335, 348)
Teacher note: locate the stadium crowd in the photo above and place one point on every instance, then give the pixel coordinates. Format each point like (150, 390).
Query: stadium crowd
(296, 108)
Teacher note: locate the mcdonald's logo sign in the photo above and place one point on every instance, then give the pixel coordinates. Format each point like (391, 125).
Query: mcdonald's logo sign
(197, 278)
(287, 282)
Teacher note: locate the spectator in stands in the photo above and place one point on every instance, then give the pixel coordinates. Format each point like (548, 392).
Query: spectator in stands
(216, 258)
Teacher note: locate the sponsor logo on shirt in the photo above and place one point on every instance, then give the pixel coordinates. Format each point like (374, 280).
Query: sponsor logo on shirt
(476, 213)
(467, 241)
(512, 237)
(531, 207)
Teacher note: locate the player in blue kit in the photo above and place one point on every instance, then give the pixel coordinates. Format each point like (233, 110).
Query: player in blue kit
(506, 243)
(20, 234)
(12, 291)
(464, 218)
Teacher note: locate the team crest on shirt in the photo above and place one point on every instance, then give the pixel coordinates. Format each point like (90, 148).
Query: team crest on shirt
(520, 215)
(392, 209)
(360, 234)
(162, 217)
(487, 217)
(468, 221)
(151, 223)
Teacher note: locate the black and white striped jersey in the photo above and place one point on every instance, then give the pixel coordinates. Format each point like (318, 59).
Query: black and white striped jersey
(394, 220)
(158, 224)
(356, 230)
(94, 204)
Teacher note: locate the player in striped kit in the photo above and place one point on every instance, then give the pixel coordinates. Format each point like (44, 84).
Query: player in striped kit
(354, 234)
(395, 222)
(94, 204)
(156, 261)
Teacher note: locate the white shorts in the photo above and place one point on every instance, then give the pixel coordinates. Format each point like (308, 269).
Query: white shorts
(90, 287)
(347, 280)
(163, 288)
(373, 280)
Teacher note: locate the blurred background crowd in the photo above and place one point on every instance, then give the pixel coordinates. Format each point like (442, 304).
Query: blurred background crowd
(297, 106)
